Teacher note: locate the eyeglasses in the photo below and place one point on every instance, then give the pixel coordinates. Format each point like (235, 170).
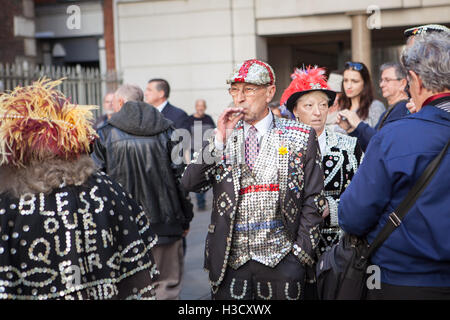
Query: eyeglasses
(354, 65)
(247, 91)
(388, 80)
(407, 90)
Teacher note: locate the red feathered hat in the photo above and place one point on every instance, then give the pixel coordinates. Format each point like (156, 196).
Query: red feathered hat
(303, 81)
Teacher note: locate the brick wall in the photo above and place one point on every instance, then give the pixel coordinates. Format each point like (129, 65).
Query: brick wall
(108, 20)
(10, 46)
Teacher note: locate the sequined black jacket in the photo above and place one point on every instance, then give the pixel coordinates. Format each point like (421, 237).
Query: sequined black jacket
(136, 150)
(341, 159)
(89, 241)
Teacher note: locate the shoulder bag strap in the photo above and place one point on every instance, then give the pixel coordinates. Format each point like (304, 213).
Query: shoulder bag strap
(395, 217)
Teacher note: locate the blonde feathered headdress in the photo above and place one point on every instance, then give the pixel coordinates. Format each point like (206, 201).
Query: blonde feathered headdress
(38, 122)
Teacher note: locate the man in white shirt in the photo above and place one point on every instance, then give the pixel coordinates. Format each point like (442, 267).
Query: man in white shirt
(268, 201)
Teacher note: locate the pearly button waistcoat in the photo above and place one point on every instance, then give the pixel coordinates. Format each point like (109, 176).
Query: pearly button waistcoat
(259, 233)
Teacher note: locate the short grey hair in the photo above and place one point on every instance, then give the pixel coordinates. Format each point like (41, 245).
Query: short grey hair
(130, 92)
(429, 58)
(400, 72)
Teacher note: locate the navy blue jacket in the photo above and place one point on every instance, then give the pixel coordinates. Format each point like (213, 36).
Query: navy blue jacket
(364, 132)
(176, 115)
(417, 253)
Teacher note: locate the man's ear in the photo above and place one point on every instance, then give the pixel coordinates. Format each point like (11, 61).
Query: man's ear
(121, 101)
(403, 82)
(270, 92)
(416, 81)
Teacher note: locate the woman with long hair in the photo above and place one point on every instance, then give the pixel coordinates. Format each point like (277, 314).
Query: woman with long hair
(357, 94)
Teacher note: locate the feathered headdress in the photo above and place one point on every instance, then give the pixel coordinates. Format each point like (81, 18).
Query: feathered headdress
(303, 81)
(38, 122)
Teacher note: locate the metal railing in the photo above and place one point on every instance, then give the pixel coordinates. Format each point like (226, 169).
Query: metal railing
(82, 85)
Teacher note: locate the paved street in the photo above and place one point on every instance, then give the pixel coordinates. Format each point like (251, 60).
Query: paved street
(195, 283)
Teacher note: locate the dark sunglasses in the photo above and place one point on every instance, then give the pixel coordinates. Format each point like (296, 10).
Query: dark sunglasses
(354, 65)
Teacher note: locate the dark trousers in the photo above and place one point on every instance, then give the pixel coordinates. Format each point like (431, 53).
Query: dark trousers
(200, 201)
(255, 281)
(391, 292)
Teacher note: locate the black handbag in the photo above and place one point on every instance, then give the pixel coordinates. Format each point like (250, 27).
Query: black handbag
(342, 271)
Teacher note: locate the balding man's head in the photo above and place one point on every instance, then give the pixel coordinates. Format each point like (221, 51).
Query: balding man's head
(200, 107)
(127, 92)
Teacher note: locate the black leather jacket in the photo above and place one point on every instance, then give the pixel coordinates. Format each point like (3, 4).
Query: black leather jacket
(135, 148)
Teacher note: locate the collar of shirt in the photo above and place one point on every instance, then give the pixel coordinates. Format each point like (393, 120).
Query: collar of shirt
(261, 126)
(322, 143)
(162, 106)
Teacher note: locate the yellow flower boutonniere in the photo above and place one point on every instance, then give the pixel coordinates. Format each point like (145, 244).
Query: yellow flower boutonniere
(282, 150)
